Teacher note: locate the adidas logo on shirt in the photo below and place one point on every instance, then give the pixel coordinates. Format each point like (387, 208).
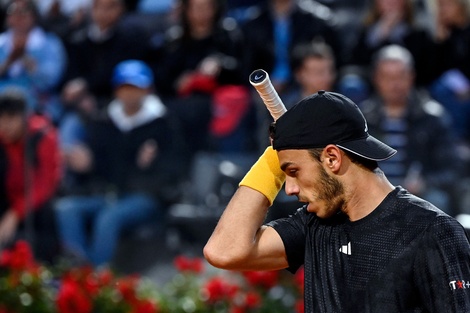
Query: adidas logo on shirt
(346, 249)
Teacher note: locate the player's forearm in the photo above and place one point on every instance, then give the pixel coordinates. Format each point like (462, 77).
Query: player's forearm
(234, 239)
(237, 242)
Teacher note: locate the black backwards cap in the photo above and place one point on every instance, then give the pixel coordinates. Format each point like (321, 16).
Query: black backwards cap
(328, 118)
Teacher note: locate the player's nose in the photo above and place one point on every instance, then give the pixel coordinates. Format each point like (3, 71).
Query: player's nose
(291, 187)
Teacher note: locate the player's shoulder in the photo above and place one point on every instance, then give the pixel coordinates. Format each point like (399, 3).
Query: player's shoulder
(418, 219)
(423, 212)
(414, 204)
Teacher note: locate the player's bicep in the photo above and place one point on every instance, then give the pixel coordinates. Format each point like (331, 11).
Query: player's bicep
(269, 252)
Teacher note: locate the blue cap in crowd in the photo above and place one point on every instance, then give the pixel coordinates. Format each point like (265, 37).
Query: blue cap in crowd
(132, 72)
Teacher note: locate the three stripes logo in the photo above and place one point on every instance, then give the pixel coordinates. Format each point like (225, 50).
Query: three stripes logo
(346, 249)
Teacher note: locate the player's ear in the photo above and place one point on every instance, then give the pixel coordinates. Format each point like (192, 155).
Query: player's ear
(332, 157)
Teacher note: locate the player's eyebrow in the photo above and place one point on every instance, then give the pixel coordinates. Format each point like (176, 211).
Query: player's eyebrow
(285, 165)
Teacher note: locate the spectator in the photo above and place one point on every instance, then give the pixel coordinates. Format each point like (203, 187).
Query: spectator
(156, 16)
(201, 59)
(133, 158)
(73, 131)
(64, 16)
(32, 175)
(204, 50)
(393, 22)
(452, 64)
(314, 68)
(31, 58)
(416, 126)
(282, 25)
(95, 49)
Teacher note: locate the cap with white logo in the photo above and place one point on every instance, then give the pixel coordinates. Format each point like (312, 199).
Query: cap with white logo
(328, 118)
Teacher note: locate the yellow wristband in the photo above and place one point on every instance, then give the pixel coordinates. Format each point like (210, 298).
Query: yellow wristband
(265, 175)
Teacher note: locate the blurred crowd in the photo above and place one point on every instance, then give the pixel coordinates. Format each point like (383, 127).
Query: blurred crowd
(106, 104)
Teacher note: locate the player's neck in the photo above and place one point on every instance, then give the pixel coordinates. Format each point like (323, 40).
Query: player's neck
(364, 192)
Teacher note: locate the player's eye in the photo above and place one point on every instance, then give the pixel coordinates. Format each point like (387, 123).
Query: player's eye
(291, 172)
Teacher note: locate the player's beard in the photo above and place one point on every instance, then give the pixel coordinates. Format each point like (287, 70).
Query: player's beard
(331, 193)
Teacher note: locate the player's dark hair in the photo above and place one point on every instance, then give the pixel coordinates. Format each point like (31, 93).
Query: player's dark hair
(371, 165)
(12, 102)
(363, 162)
(315, 153)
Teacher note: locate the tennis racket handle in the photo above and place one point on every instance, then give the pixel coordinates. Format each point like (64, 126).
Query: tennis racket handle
(262, 83)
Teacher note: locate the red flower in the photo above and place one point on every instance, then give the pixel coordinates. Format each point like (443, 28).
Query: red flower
(185, 264)
(145, 306)
(299, 306)
(266, 279)
(252, 300)
(237, 309)
(127, 287)
(79, 274)
(299, 278)
(217, 289)
(72, 299)
(91, 285)
(19, 258)
(105, 277)
(5, 259)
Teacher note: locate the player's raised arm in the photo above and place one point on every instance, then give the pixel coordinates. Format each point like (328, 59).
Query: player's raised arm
(239, 241)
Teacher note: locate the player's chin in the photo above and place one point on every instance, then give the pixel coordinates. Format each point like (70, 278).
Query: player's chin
(321, 212)
(312, 208)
